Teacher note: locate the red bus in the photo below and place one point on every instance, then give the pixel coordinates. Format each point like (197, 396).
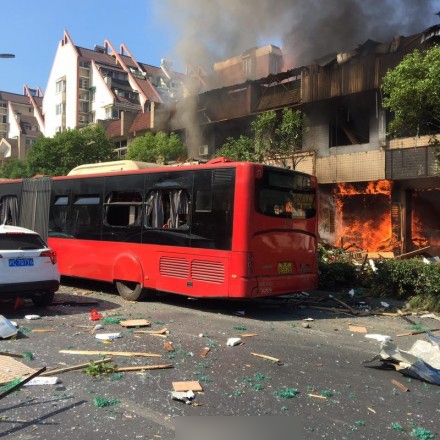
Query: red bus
(223, 229)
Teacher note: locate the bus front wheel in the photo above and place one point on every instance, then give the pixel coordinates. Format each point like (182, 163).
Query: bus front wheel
(130, 291)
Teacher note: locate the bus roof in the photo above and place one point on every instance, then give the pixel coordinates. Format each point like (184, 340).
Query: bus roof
(117, 165)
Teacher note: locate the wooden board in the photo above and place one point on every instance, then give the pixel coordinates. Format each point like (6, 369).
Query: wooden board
(135, 323)
(357, 328)
(189, 385)
(10, 369)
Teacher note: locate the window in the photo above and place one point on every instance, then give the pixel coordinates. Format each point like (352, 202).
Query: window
(3, 105)
(285, 195)
(247, 65)
(60, 86)
(111, 113)
(83, 83)
(84, 96)
(123, 209)
(60, 108)
(9, 210)
(83, 107)
(168, 209)
(84, 64)
(58, 216)
(3, 119)
(87, 216)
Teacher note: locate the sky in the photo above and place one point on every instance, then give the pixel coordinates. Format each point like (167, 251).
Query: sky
(197, 31)
(33, 29)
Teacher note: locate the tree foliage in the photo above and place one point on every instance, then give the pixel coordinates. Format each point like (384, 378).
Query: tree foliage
(14, 169)
(274, 137)
(412, 93)
(58, 155)
(159, 148)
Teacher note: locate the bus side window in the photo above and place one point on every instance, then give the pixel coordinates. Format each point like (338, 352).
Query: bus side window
(9, 210)
(123, 209)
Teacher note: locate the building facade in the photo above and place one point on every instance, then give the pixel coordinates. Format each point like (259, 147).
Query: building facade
(21, 122)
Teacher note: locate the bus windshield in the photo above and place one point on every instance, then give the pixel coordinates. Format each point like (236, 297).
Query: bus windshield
(284, 194)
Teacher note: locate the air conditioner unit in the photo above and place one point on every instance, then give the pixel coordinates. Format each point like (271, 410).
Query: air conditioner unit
(82, 118)
(203, 150)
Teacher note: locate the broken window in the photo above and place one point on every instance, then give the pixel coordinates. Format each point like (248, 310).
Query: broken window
(58, 215)
(86, 216)
(167, 208)
(123, 209)
(9, 210)
(349, 126)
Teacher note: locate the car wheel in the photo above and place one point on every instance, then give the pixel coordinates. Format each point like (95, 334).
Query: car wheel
(130, 291)
(43, 299)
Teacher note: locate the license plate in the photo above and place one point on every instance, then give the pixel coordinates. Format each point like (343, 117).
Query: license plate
(20, 262)
(285, 267)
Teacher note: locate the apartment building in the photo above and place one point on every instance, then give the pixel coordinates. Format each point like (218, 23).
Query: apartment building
(377, 193)
(21, 122)
(104, 85)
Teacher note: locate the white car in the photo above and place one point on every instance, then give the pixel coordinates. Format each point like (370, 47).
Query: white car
(28, 267)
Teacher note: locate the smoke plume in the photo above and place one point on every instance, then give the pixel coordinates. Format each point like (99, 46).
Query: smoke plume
(207, 31)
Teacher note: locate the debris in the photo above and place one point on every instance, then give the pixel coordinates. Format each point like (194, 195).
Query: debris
(32, 317)
(418, 332)
(95, 315)
(430, 315)
(96, 369)
(204, 352)
(380, 338)
(108, 336)
(308, 319)
(270, 358)
(98, 327)
(353, 311)
(17, 383)
(326, 393)
(384, 304)
(400, 385)
(371, 409)
(135, 323)
(248, 335)
(143, 367)
(305, 324)
(7, 328)
(42, 330)
(11, 369)
(101, 402)
(422, 361)
(74, 367)
(5, 353)
(162, 332)
(422, 434)
(28, 355)
(189, 385)
(287, 393)
(42, 381)
(183, 397)
(111, 320)
(239, 327)
(317, 396)
(111, 353)
(357, 328)
(233, 341)
(168, 346)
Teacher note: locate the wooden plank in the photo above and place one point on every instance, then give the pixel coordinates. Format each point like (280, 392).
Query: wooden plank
(144, 367)
(74, 367)
(249, 335)
(168, 346)
(357, 328)
(135, 323)
(204, 352)
(400, 385)
(189, 385)
(111, 353)
(42, 330)
(5, 353)
(264, 356)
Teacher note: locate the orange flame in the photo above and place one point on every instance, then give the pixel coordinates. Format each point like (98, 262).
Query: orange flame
(362, 219)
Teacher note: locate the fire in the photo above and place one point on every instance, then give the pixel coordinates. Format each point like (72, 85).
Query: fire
(363, 216)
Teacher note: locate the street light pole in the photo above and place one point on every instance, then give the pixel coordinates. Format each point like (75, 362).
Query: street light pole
(7, 55)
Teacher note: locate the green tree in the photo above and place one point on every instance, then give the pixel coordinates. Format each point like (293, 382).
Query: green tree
(58, 155)
(14, 169)
(412, 93)
(274, 137)
(159, 148)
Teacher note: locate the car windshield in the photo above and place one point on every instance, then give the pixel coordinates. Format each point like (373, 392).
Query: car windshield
(14, 242)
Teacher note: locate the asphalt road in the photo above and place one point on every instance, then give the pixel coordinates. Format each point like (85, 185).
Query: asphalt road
(320, 382)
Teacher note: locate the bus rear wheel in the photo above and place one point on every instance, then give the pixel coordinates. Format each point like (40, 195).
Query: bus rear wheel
(130, 291)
